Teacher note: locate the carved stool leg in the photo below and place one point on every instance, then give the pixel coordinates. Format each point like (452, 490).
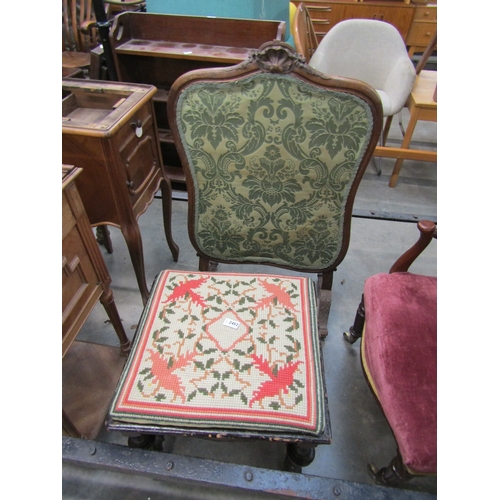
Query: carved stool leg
(392, 475)
(299, 455)
(356, 330)
(146, 442)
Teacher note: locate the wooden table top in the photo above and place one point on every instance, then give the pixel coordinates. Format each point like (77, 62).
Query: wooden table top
(424, 90)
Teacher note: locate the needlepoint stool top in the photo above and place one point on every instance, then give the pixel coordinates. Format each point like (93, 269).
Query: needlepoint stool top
(229, 350)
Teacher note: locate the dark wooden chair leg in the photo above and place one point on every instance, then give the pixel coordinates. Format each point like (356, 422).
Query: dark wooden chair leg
(166, 198)
(299, 455)
(325, 282)
(392, 475)
(356, 330)
(104, 238)
(207, 265)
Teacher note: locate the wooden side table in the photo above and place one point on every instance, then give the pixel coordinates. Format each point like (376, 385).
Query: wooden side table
(85, 280)
(422, 105)
(109, 130)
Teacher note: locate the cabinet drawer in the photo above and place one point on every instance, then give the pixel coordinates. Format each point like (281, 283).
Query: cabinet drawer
(425, 14)
(127, 132)
(140, 160)
(421, 34)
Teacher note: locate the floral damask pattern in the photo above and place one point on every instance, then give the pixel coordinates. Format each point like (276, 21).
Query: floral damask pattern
(233, 348)
(273, 159)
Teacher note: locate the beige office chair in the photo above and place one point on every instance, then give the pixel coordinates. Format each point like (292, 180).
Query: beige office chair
(371, 51)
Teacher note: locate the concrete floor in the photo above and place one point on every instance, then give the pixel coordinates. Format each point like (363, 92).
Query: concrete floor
(360, 432)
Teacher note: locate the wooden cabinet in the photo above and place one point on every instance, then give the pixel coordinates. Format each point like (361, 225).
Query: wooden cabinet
(416, 21)
(109, 130)
(423, 28)
(327, 13)
(85, 280)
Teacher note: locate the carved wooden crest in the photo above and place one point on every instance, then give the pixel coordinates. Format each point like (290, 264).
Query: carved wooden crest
(277, 57)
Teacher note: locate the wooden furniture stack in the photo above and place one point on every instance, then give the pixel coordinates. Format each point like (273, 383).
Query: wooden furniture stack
(90, 371)
(109, 130)
(156, 49)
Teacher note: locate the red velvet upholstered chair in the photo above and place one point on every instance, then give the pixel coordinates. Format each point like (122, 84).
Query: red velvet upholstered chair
(397, 319)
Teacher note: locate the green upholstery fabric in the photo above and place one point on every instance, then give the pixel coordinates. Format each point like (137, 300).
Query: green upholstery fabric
(273, 160)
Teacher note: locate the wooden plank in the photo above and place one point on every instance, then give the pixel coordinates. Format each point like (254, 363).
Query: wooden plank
(190, 51)
(90, 374)
(407, 154)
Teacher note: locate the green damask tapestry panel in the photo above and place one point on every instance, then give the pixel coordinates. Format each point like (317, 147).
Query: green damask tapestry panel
(273, 160)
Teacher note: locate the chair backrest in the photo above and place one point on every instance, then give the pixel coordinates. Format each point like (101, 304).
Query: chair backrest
(303, 32)
(77, 16)
(371, 51)
(273, 153)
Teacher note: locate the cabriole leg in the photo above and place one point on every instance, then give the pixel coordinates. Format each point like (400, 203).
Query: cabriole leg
(356, 330)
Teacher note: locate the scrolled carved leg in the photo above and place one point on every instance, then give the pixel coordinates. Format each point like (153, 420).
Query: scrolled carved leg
(392, 475)
(356, 330)
(299, 455)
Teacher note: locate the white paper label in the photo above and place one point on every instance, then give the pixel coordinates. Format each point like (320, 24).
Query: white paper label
(231, 323)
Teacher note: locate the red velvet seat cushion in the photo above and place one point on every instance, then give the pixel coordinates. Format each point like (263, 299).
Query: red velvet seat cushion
(400, 358)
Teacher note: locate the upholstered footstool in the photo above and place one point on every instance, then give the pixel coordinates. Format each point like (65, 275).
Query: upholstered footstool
(227, 355)
(399, 357)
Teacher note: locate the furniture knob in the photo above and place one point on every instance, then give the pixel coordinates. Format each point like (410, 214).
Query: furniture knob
(426, 13)
(130, 184)
(137, 126)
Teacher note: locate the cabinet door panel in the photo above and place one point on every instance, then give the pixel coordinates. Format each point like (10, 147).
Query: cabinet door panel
(79, 285)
